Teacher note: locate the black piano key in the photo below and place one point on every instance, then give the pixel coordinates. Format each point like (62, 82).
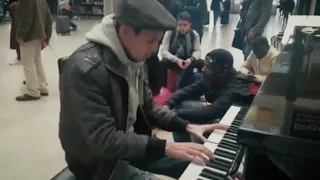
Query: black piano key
(228, 136)
(226, 146)
(236, 123)
(232, 134)
(221, 161)
(200, 179)
(234, 127)
(220, 167)
(210, 176)
(214, 172)
(224, 154)
(232, 130)
(229, 143)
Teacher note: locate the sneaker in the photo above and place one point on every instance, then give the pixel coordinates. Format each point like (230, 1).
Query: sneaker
(15, 62)
(44, 93)
(27, 97)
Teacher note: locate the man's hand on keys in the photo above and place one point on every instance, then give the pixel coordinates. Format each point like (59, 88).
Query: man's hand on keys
(199, 130)
(192, 152)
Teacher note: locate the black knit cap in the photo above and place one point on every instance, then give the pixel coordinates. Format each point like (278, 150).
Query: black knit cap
(144, 14)
(220, 59)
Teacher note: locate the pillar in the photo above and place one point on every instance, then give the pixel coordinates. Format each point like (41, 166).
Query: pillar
(109, 6)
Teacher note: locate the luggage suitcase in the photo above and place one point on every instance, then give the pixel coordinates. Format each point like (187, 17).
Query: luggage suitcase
(62, 24)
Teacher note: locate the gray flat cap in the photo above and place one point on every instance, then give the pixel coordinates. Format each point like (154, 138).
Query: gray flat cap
(144, 14)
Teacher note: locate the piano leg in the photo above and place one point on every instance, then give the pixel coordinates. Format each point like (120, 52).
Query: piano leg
(257, 165)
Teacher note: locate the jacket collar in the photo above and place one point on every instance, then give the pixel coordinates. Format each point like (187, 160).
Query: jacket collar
(112, 63)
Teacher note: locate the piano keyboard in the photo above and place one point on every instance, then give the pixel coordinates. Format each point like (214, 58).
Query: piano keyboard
(225, 149)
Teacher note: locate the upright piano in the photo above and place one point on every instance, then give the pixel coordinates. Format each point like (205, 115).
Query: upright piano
(281, 131)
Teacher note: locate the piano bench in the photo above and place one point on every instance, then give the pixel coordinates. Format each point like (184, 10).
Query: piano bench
(65, 174)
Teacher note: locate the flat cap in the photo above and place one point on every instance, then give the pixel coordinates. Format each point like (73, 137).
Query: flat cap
(144, 14)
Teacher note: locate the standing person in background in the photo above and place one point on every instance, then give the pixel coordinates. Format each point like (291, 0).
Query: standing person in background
(255, 15)
(288, 7)
(215, 7)
(226, 12)
(197, 10)
(13, 4)
(65, 7)
(34, 26)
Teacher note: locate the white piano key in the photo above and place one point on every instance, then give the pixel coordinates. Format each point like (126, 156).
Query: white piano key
(215, 138)
(192, 172)
(230, 115)
(228, 118)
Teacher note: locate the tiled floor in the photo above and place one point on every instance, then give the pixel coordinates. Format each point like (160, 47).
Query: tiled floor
(30, 148)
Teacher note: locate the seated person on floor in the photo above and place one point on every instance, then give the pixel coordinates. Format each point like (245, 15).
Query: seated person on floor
(219, 83)
(181, 51)
(152, 63)
(260, 60)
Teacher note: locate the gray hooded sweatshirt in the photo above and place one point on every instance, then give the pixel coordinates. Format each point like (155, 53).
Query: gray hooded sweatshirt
(105, 34)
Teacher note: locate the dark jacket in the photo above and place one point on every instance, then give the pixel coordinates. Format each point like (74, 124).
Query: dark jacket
(197, 10)
(34, 20)
(13, 13)
(215, 5)
(256, 15)
(94, 112)
(221, 98)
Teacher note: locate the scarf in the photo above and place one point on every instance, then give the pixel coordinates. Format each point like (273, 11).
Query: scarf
(188, 49)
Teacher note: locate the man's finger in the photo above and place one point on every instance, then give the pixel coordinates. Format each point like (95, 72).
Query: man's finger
(202, 149)
(200, 136)
(218, 126)
(199, 161)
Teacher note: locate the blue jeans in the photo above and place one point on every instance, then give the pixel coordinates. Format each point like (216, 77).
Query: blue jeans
(180, 136)
(247, 49)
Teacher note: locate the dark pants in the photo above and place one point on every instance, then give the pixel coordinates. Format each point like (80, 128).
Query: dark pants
(186, 75)
(216, 15)
(153, 64)
(18, 53)
(179, 136)
(68, 13)
(198, 27)
(247, 49)
(135, 170)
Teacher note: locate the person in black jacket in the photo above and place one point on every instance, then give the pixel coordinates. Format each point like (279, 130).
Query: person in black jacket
(218, 84)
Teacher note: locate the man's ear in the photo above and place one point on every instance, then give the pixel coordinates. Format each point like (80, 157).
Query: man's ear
(125, 29)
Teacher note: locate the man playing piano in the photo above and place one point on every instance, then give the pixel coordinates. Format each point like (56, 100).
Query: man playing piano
(107, 110)
(219, 83)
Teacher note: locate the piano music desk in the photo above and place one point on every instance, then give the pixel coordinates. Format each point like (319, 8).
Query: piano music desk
(298, 20)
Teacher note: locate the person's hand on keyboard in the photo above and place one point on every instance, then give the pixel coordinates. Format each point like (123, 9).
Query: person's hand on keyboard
(199, 130)
(193, 152)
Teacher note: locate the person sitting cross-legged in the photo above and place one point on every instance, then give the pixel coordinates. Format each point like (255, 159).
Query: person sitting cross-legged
(260, 60)
(218, 84)
(181, 51)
